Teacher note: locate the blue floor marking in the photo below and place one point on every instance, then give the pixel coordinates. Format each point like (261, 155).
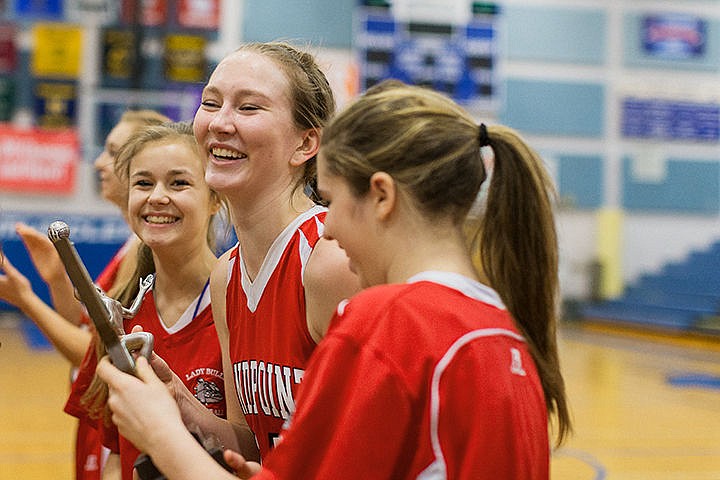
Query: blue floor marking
(702, 380)
(586, 458)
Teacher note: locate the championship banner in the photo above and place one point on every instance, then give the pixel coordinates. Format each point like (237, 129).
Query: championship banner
(36, 9)
(185, 58)
(199, 14)
(55, 104)
(100, 12)
(38, 161)
(118, 59)
(8, 52)
(152, 13)
(57, 50)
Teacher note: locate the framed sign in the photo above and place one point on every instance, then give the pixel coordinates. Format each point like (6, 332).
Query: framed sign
(674, 36)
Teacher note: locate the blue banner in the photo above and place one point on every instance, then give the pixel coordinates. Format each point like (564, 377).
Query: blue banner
(670, 120)
(39, 9)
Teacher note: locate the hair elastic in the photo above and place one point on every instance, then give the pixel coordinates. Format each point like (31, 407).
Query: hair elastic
(483, 136)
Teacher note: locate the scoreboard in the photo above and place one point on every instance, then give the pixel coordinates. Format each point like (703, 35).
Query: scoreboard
(455, 58)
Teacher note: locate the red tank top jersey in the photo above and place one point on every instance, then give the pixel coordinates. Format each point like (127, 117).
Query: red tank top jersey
(192, 350)
(269, 341)
(88, 441)
(424, 380)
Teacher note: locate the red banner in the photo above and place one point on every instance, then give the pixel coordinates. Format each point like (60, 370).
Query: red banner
(38, 161)
(8, 51)
(199, 14)
(152, 13)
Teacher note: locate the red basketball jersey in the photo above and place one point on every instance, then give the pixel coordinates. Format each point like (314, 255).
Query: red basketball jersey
(192, 350)
(269, 340)
(429, 379)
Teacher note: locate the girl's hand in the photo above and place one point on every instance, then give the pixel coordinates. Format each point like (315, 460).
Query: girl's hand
(243, 468)
(14, 286)
(42, 253)
(142, 407)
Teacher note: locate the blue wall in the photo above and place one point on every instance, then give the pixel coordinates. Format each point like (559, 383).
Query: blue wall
(688, 186)
(562, 40)
(555, 34)
(323, 23)
(554, 108)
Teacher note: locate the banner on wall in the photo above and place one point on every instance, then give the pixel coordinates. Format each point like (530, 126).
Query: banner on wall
(8, 52)
(185, 58)
(152, 13)
(670, 119)
(674, 35)
(38, 9)
(38, 161)
(118, 58)
(57, 50)
(100, 12)
(55, 104)
(199, 14)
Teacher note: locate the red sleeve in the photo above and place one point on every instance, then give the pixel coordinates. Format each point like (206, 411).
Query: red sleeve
(74, 405)
(341, 407)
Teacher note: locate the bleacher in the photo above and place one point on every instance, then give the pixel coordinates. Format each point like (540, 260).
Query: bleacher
(683, 296)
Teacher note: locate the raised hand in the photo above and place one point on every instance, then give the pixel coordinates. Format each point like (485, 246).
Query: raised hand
(42, 253)
(15, 288)
(51, 269)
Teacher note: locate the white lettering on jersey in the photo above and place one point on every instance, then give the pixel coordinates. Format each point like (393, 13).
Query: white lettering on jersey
(258, 391)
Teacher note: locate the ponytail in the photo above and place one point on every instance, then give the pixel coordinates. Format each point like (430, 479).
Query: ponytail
(519, 254)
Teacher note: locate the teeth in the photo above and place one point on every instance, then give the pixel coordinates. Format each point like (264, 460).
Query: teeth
(159, 219)
(225, 153)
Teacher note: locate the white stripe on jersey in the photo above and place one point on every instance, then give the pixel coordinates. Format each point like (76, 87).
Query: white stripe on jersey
(437, 470)
(255, 288)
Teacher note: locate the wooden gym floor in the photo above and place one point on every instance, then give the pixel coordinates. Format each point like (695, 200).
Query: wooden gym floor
(645, 407)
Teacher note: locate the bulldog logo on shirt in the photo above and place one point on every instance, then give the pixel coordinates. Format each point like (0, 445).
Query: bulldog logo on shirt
(207, 392)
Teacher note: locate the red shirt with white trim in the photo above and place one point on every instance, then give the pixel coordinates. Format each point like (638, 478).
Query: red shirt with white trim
(424, 380)
(269, 341)
(192, 350)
